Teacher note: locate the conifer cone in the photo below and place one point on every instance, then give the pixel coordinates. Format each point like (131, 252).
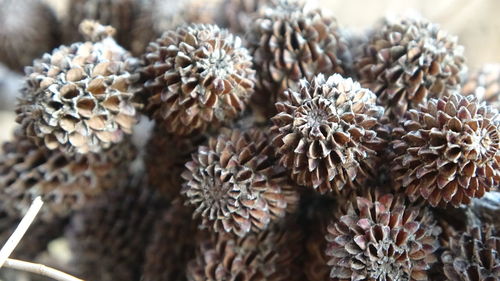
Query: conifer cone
(485, 85)
(406, 61)
(172, 246)
(196, 76)
(269, 255)
(108, 238)
(289, 43)
(235, 185)
(325, 133)
(382, 237)
(78, 98)
(28, 29)
(239, 14)
(447, 151)
(65, 183)
(473, 255)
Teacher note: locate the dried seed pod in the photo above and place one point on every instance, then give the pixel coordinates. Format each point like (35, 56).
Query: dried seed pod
(382, 237)
(448, 150)
(408, 60)
(485, 85)
(29, 28)
(196, 76)
(473, 255)
(235, 185)
(269, 255)
(65, 183)
(289, 43)
(324, 133)
(108, 237)
(78, 98)
(172, 246)
(239, 14)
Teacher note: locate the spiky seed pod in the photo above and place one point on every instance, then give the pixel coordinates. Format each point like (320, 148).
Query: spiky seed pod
(473, 255)
(448, 150)
(324, 133)
(196, 76)
(382, 237)
(78, 98)
(235, 185)
(29, 28)
(289, 43)
(239, 14)
(172, 246)
(166, 156)
(65, 183)
(269, 255)
(408, 60)
(485, 84)
(108, 238)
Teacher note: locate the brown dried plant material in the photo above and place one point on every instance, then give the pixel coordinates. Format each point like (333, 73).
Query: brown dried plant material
(409, 60)
(447, 151)
(78, 98)
(473, 255)
(109, 237)
(240, 14)
(235, 184)
(289, 43)
(28, 29)
(485, 85)
(382, 237)
(325, 133)
(196, 76)
(65, 183)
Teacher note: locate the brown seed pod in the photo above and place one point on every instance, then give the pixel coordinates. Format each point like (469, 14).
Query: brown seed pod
(485, 85)
(78, 98)
(409, 60)
(289, 43)
(473, 255)
(382, 237)
(447, 151)
(108, 238)
(65, 183)
(196, 76)
(28, 29)
(239, 14)
(235, 185)
(324, 133)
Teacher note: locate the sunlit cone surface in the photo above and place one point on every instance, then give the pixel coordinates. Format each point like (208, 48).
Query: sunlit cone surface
(28, 29)
(325, 133)
(473, 255)
(382, 237)
(239, 14)
(485, 84)
(409, 60)
(235, 184)
(65, 183)
(78, 98)
(289, 43)
(447, 151)
(196, 76)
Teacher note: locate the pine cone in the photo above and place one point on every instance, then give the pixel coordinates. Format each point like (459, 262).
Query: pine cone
(289, 44)
(447, 151)
(473, 255)
(172, 246)
(324, 133)
(197, 75)
(239, 14)
(485, 85)
(28, 29)
(109, 236)
(382, 237)
(78, 98)
(270, 255)
(65, 183)
(409, 60)
(235, 185)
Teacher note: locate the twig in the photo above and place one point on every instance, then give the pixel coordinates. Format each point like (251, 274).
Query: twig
(39, 269)
(21, 229)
